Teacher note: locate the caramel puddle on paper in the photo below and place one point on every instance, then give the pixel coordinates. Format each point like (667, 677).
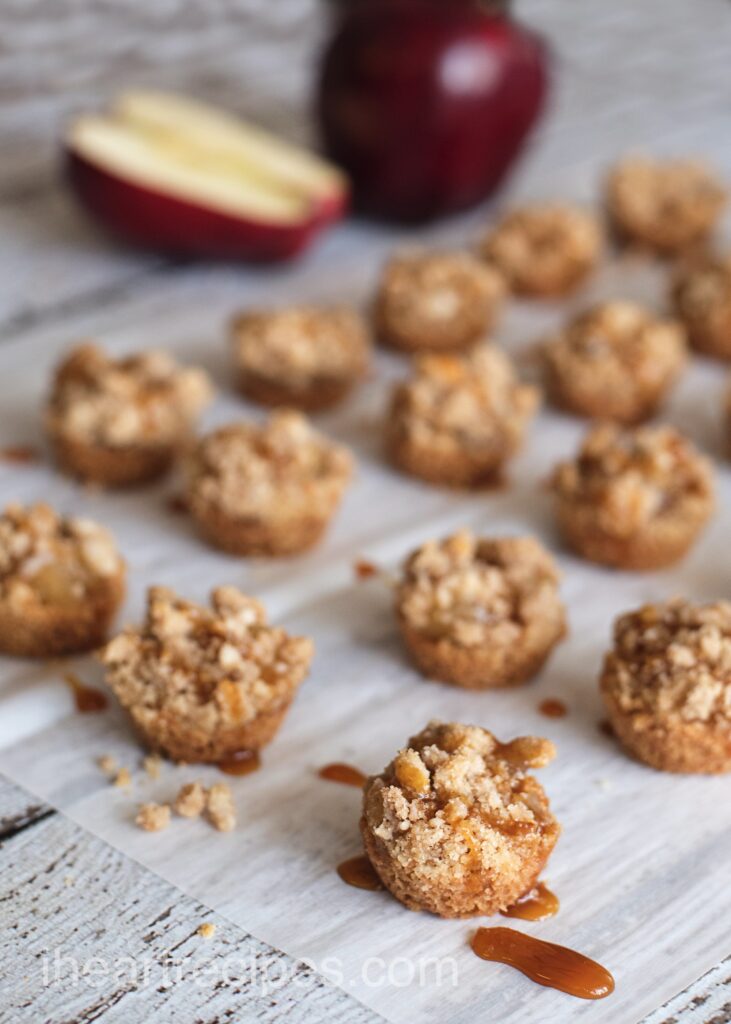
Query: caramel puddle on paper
(343, 773)
(358, 871)
(87, 698)
(245, 763)
(553, 708)
(20, 454)
(544, 962)
(535, 905)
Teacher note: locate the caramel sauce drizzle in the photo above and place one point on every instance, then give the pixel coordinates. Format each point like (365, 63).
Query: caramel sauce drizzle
(535, 905)
(243, 763)
(344, 773)
(87, 698)
(553, 708)
(365, 570)
(359, 872)
(605, 728)
(177, 504)
(544, 962)
(21, 454)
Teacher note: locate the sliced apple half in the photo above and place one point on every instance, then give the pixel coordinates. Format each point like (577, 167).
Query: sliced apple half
(172, 174)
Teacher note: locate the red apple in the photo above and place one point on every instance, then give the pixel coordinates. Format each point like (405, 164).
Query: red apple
(426, 103)
(171, 174)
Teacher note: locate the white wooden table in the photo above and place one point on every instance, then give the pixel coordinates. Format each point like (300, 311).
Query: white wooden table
(652, 75)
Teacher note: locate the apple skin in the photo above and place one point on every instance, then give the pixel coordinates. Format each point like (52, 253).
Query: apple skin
(426, 103)
(151, 219)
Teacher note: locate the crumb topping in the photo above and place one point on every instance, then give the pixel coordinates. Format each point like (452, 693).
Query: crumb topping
(543, 246)
(665, 202)
(300, 345)
(703, 293)
(153, 817)
(47, 558)
(631, 478)
(190, 801)
(465, 403)
(620, 346)
(477, 592)
(271, 470)
(426, 295)
(674, 660)
(210, 668)
(220, 809)
(456, 798)
(138, 400)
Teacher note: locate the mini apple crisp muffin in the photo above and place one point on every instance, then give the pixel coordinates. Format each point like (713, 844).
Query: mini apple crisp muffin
(480, 613)
(120, 422)
(544, 250)
(666, 685)
(266, 490)
(702, 299)
(664, 205)
(206, 685)
(455, 825)
(303, 358)
(61, 582)
(436, 301)
(616, 362)
(633, 499)
(458, 420)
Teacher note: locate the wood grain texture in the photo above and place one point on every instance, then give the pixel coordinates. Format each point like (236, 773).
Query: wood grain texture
(71, 903)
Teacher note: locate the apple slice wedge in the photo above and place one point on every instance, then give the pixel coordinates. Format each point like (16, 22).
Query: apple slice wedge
(171, 174)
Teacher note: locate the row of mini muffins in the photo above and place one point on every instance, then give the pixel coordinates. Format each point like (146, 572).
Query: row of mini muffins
(634, 498)
(206, 684)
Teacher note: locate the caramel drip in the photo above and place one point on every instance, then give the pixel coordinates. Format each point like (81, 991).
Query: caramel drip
(344, 773)
(553, 708)
(605, 728)
(359, 871)
(86, 698)
(177, 504)
(365, 570)
(21, 454)
(243, 763)
(535, 905)
(544, 962)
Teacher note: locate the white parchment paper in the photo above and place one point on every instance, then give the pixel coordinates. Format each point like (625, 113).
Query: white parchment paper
(641, 868)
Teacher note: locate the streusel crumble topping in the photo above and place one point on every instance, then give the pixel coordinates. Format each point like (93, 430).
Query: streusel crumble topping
(138, 400)
(208, 668)
(477, 591)
(667, 204)
(294, 346)
(702, 296)
(464, 403)
(52, 560)
(674, 660)
(631, 477)
(437, 299)
(270, 470)
(543, 249)
(457, 794)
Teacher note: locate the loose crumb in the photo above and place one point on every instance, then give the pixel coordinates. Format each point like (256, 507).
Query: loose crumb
(220, 809)
(190, 801)
(107, 764)
(123, 779)
(152, 764)
(207, 930)
(153, 817)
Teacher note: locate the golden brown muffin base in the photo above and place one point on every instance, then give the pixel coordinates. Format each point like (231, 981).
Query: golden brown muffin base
(460, 339)
(323, 393)
(45, 631)
(180, 742)
(481, 892)
(629, 410)
(476, 668)
(111, 467)
(651, 548)
(452, 469)
(694, 747)
(257, 536)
